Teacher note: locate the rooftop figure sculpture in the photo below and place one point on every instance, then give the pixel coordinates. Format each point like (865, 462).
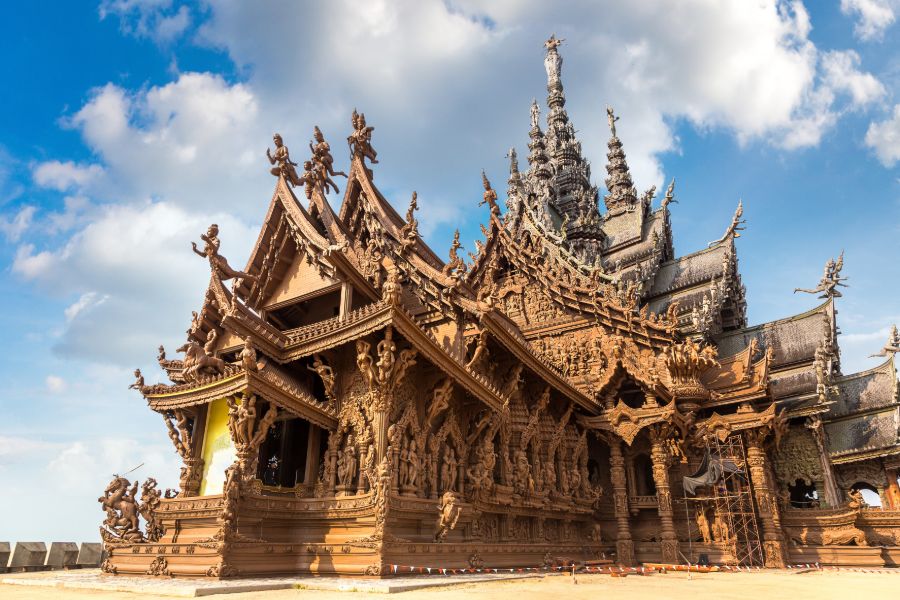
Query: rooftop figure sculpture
(490, 196)
(553, 61)
(612, 118)
(217, 262)
(360, 141)
(831, 279)
(282, 158)
(892, 346)
(323, 161)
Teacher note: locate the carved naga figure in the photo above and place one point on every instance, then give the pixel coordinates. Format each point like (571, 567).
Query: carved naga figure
(455, 266)
(217, 262)
(892, 346)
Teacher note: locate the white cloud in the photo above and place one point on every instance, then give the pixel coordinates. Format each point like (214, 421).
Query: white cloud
(873, 16)
(12, 228)
(154, 19)
(134, 276)
(884, 138)
(63, 176)
(423, 67)
(55, 384)
(189, 142)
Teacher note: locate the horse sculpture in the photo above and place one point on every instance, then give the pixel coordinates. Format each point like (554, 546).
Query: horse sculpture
(121, 509)
(198, 362)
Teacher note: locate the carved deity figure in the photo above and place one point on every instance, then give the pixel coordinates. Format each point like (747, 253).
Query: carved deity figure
(281, 158)
(455, 266)
(611, 118)
(210, 345)
(138, 381)
(720, 529)
(360, 141)
(326, 374)
(553, 61)
(150, 499)
(404, 462)
(449, 512)
(161, 355)
(703, 526)
(248, 356)
(217, 262)
(197, 362)
(346, 466)
(412, 470)
(449, 471)
(490, 196)
(535, 114)
(831, 279)
(324, 162)
(524, 483)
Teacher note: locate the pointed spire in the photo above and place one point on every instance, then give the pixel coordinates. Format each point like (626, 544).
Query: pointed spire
(618, 182)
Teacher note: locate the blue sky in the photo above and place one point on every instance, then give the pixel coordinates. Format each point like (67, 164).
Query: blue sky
(129, 125)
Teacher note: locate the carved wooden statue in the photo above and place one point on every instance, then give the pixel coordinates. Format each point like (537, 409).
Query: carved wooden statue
(284, 165)
(217, 262)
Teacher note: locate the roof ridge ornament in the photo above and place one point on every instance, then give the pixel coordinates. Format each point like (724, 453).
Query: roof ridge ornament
(282, 158)
(736, 226)
(360, 141)
(553, 61)
(892, 346)
(490, 196)
(323, 162)
(622, 193)
(670, 195)
(217, 262)
(831, 279)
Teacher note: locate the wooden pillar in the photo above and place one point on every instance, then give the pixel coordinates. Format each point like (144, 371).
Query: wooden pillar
(773, 543)
(892, 489)
(832, 492)
(669, 540)
(312, 455)
(346, 300)
(624, 543)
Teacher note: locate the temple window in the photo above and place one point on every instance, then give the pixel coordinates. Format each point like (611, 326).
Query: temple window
(283, 454)
(869, 493)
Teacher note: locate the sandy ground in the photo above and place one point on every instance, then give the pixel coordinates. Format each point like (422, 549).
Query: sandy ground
(675, 586)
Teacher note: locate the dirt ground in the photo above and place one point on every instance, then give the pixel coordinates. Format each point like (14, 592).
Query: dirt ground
(823, 585)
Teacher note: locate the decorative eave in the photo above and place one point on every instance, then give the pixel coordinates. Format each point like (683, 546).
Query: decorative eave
(506, 333)
(627, 422)
(269, 381)
(724, 425)
(738, 378)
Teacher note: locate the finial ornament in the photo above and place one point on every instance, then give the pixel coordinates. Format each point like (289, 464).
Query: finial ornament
(670, 195)
(736, 226)
(553, 61)
(831, 278)
(892, 346)
(360, 141)
(282, 158)
(217, 262)
(409, 233)
(612, 118)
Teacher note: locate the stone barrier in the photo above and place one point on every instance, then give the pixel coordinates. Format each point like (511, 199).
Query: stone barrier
(90, 554)
(28, 556)
(4, 556)
(62, 555)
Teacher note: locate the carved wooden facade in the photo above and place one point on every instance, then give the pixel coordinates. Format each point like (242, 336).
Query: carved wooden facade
(352, 402)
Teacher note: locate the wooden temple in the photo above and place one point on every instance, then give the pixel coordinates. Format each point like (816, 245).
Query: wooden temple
(575, 391)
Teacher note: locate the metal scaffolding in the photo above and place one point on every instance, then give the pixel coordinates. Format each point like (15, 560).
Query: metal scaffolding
(732, 496)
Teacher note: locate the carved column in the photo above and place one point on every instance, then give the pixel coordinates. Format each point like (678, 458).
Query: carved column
(624, 543)
(773, 543)
(660, 458)
(892, 492)
(832, 492)
(312, 455)
(346, 300)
